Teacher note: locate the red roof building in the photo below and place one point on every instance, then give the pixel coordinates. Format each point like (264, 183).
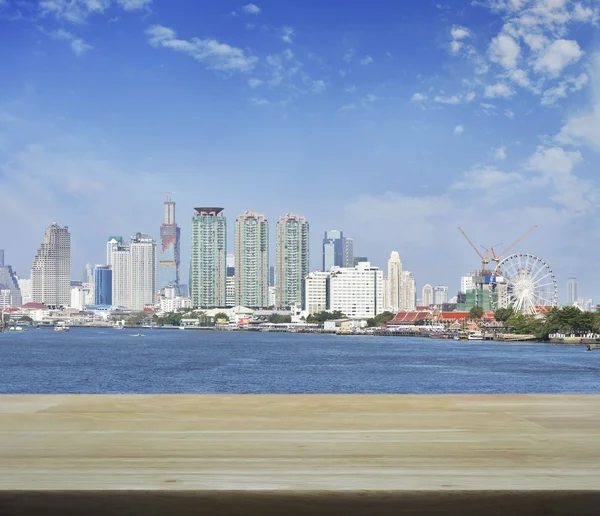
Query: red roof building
(34, 306)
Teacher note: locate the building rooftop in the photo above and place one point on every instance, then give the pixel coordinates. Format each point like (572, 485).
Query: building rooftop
(208, 210)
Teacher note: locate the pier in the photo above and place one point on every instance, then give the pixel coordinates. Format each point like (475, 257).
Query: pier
(297, 454)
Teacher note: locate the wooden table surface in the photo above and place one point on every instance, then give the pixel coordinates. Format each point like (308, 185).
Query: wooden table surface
(299, 442)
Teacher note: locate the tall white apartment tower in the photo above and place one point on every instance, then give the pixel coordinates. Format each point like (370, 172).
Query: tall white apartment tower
(121, 277)
(114, 243)
(142, 270)
(394, 283)
(51, 270)
(291, 257)
(427, 295)
(252, 260)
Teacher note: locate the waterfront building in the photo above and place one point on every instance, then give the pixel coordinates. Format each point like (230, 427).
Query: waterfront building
(207, 282)
(427, 295)
(79, 297)
(169, 253)
(440, 295)
(114, 243)
(174, 304)
(348, 258)
(121, 277)
(291, 259)
(572, 294)
(252, 260)
(25, 288)
(10, 294)
(316, 293)
(357, 292)
(142, 270)
(333, 249)
(103, 285)
(51, 270)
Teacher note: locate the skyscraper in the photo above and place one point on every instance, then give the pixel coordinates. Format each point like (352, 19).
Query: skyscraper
(207, 283)
(103, 285)
(252, 260)
(427, 295)
(121, 279)
(10, 294)
(394, 282)
(169, 254)
(142, 270)
(291, 259)
(572, 287)
(1, 257)
(51, 270)
(333, 249)
(348, 259)
(440, 295)
(114, 243)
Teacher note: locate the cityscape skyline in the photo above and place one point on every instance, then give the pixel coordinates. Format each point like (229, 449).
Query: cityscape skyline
(484, 116)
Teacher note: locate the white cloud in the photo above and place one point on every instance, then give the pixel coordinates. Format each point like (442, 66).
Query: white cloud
(520, 77)
(367, 60)
(485, 178)
(251, 9)
(498, 153)
(131, 5)
(569, 85)
(505, 51)
(348, 107)
(459, 32)
(509, 113)
(257, 101)
(318, 86)
(351, 89)
(553, 161)
(458, 130)
(78, 46)
(558, 55)
(498, 90)
(419, 97)
(349, 55)
(453, 100)
(255, 82)
(287, 34)
(215, 55)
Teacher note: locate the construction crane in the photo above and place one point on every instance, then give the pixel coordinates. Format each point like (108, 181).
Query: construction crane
(498, 258)
(485, 258)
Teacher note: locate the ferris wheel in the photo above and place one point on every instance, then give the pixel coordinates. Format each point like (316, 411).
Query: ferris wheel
(524, 282)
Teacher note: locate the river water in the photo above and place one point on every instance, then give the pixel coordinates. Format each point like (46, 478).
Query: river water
(90, 360)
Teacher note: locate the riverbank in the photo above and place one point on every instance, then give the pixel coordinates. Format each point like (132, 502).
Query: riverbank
(471, 454)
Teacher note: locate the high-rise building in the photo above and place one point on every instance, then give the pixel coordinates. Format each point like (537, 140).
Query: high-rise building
(10, 294)
(408, 291)
(114, 243)
(291, 259)
(103, 285)
(467, 283)
(87, 275)
(317, 292)
(348, 259)
(208, 264)
(252, 260)
(440, 295)
(271, 275)
(358, 291)
(121, 278)
(169, 254)
(142, 270)
(51, 270)
(394, 282)
(359, 259)
(427, 295)
(25, 288)
(1, 257)
(333, 249)
(572, 287)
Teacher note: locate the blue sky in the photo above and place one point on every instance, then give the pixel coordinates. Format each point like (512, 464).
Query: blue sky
(393, 121)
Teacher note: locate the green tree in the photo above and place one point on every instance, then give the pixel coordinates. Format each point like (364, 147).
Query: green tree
(280, 319)
(476, 313)
(221, 315)
(321, 317)
(381, 319)
(503, 314)
(136, 319)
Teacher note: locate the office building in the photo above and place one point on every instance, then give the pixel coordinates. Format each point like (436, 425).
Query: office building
(142, 271)
(348, 259)
(291, 259)
(252, 260)
(316, 290)
(359, 259)
(357, 292)
(10, 294)
(169, 252)
(25, 288)
(427, 295)
(333, 249)
(103, 285)
(440, 295)
(51, 270)
(208, 264)
(572, 287)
